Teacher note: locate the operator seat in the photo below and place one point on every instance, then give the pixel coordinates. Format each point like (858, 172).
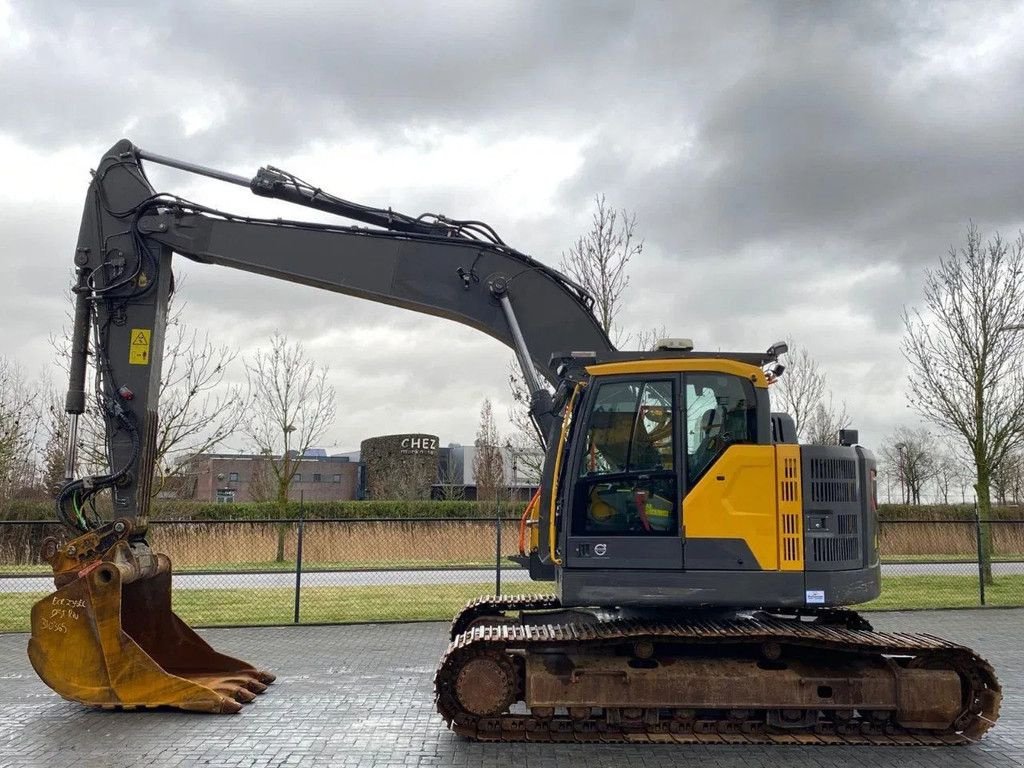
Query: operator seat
(710, 444)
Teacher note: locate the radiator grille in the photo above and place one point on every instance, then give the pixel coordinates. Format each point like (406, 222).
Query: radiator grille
(846, 525)
(833, 481)
(835, 550)
(833, 507)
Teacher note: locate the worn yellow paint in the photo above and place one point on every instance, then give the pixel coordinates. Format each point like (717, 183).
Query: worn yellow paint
(532, 515)
(566, 423)
(791, 518)
(138, 350)
(740, 505)
(108, 637)
(682, 365)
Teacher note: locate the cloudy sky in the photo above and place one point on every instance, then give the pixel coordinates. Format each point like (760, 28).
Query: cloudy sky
(793, 166)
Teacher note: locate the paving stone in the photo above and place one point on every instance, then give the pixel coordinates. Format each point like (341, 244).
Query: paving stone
(362, 697)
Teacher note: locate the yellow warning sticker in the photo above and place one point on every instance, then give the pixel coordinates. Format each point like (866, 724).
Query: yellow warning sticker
(138, 352)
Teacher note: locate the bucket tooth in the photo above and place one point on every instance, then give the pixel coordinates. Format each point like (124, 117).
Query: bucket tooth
(108, 637)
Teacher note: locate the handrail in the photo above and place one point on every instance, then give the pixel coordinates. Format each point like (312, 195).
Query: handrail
(552, 549)
(530, 507)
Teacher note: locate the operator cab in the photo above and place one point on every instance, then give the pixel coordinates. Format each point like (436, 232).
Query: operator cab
(646, 428)
(673, 484)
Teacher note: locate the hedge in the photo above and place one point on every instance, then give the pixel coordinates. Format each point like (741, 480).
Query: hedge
(944, 512)
(347, 510)
(341, 510)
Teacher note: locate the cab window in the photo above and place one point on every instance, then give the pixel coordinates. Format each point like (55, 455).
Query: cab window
(627, 470)
(721, 410)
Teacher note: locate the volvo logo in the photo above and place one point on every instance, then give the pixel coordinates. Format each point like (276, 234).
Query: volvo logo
(600, 550)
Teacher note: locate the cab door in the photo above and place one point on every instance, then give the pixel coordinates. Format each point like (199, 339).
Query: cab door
(623, 479)
(729, 504)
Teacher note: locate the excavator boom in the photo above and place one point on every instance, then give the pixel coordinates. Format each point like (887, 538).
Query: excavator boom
(112, 607)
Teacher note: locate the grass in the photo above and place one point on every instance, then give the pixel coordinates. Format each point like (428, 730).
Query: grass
(213, 607)
(911, 592)
(288, 566)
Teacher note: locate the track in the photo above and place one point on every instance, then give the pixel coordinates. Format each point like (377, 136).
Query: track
(492, 647)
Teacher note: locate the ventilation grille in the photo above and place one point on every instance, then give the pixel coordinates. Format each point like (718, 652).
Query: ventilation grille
(791, 538)
(833, 481)
(835, 550)
(790, 533)
(788, 489)
(846, 525)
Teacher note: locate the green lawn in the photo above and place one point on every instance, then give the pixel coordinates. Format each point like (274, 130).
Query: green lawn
(899, 592)
(212, 607)
(288, 566)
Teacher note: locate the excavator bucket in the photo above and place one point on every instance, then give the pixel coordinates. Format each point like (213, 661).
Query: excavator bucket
(108, 637)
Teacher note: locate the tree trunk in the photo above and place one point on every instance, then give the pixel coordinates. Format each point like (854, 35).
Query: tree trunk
(984, 526)
(282, 511)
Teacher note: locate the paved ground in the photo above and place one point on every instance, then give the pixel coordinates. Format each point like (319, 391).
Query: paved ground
(439, 576)
(362, 696)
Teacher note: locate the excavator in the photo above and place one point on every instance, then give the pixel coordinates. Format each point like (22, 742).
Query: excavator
(703, 561)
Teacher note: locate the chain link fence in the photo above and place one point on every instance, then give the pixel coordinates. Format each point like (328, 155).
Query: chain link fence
(951, 563)
(267, 571)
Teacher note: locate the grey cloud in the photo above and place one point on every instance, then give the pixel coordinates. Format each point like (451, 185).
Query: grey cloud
(295, 74)
(764, 146)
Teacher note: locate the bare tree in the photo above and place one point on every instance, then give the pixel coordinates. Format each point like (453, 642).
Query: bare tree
(801, 387)
(1008, 479)
(450, 481)
(262, 485)
(966, 355)
(908, 454)
(53, 423)
(17, 430)
(196, 412)
(646, 339)
(804, 394)
(527, 456)
(488, 461)
(524, 438)
(949, 471)
(822, 428)
(291, 406)
(598, 261)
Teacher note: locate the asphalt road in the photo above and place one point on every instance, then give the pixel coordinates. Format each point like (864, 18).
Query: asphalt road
(447, 576)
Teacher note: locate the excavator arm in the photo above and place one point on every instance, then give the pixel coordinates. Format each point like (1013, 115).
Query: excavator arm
(108, 636)
(454, 269)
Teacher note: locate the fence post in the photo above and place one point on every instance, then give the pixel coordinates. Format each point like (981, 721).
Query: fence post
(981, 566)
(298, 555)
(497, 547)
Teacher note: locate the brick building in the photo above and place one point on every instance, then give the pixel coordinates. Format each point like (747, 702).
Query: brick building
(406, 466)
(230, 477)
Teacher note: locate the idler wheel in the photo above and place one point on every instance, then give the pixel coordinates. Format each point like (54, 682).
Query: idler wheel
(486, 685)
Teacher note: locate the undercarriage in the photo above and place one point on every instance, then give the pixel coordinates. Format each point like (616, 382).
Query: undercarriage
(524, 669)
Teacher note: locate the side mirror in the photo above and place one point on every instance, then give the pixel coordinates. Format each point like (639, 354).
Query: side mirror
(849, 437)
(778, 348)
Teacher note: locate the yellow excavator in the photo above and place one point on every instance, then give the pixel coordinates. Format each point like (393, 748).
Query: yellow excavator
(702, 559)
